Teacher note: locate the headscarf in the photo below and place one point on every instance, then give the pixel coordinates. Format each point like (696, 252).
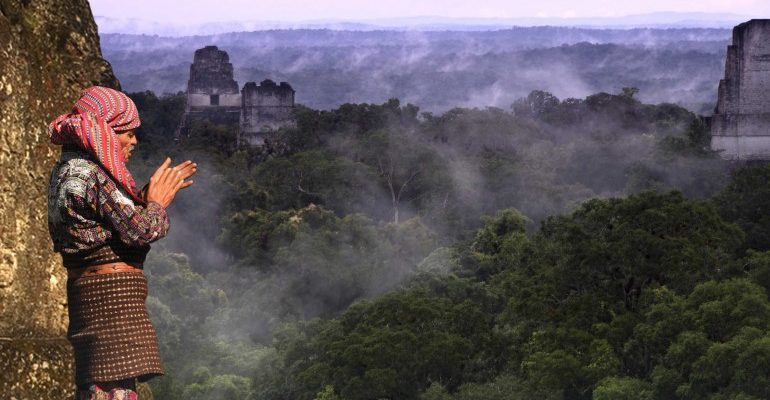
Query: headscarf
(91, 126)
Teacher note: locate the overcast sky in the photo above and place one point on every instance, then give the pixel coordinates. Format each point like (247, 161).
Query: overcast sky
(195, 11)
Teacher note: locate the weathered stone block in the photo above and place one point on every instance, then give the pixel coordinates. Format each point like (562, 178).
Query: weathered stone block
(211, 72)
(36, 369)
(740, 127)
(266, 108)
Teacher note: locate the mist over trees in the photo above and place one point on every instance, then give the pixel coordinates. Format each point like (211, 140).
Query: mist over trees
(441, 70)
(558, 248)
(512, 214)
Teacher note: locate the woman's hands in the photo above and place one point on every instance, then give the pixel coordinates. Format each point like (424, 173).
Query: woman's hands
(165, 182)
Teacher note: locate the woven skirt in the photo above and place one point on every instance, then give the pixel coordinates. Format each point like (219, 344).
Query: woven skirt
(110, 329)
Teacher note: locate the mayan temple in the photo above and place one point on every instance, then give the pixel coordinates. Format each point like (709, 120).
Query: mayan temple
(212, 94)
(740, 127)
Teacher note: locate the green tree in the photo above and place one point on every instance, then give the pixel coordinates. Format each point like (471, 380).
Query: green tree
(537, 104)
(615, 248)
(744, 201)
(435, 391)
(615, 388)
(711, 342)
(394, 347)
(327, 393)
(500, 243)
(219, 387)
(503, 387)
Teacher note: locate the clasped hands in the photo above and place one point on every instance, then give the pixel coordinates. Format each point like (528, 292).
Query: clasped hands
(166, 181)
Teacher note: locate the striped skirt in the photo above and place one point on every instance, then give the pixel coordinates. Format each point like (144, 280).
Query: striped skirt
(110, 329)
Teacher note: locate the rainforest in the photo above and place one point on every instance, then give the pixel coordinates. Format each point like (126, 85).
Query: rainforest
(578, 248)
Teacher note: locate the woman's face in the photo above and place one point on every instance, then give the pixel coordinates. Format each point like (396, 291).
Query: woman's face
(127, 142)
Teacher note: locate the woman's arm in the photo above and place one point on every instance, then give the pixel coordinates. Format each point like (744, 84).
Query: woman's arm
(135, 225)
(140, 225)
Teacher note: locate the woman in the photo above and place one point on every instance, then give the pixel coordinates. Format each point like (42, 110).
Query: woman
(102, 226)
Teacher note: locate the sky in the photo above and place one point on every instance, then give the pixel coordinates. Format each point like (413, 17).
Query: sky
(196, 11)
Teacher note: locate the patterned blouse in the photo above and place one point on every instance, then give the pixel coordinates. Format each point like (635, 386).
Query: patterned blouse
(92, 221)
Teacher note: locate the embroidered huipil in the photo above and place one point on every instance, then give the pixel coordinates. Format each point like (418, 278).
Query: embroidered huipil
(92, 221)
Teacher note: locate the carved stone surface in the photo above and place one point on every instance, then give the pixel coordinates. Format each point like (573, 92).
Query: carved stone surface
(49, 52)
(211, 72)
(266, 108)
(37, 369)
(740, 127)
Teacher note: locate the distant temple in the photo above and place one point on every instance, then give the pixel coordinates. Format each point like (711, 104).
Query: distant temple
(212, 94)
(740, 127)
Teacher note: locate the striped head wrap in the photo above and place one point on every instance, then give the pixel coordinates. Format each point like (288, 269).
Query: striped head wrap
(91, 126)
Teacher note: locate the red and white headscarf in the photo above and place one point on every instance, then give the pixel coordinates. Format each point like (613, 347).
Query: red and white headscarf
(91, 125)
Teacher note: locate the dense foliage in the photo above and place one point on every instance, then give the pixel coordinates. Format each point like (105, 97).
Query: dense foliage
(562, 249)
(641, 296)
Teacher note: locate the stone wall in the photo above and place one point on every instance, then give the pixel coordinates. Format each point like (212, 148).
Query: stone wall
(267, 94)
(197, 100)
(266, 107)
(740, 127)
(49, 51)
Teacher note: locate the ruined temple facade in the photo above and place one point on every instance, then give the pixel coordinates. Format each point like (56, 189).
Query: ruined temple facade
(740, 127)
(212, 94)
(264, 108)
